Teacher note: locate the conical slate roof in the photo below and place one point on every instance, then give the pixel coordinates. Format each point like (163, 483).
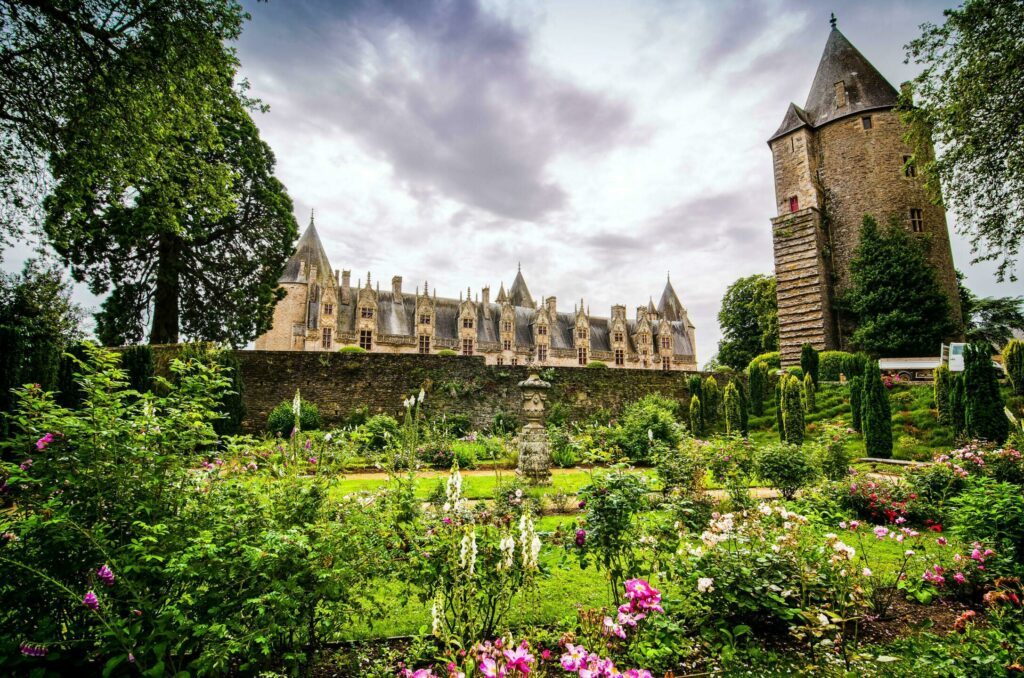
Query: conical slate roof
(670, 307)
(865, 88)
(310, 250)
(518, 294)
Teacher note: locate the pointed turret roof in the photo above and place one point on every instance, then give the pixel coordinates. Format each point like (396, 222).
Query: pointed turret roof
(518, 294)
(669, 307)
(501, 294)
(865, 88)
(310, 250)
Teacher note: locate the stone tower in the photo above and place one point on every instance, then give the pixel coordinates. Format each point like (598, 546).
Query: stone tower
(837, 159)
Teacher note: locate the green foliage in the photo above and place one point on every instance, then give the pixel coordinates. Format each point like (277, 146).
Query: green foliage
(895, 297)
(696, 420)
(957, 405)
(504, 423)
(792, 411)
(876, 418)
(710, 402)
(68, 391)
(1013, 361)
(992, 513)
(731, 409)
(984, 418)
(809, 360)
(809, 392)
(281, 419)
(380, 432)
(447, 352)
(943, 382)
(833, 456)
(358, 349)
(760, 383)
(744, 402)
(597, 365)
(682, 470)
(772, 359)
(972, 63)
(138, 365)
(645, 424)
(231, 409)
(787, 468)
(992, 320)
(833, 363)
(749, 320)
(780, 385)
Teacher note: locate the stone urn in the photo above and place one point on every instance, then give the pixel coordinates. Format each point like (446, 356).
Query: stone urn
(534, 449)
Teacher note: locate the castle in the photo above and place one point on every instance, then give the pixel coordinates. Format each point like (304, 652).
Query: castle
(322, 311)
(837, 159)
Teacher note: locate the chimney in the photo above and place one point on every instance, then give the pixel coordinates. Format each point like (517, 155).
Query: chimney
(396, 288)
(552, 307)
(346, 283)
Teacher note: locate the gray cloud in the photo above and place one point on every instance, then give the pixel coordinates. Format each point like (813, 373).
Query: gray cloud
(445, 92)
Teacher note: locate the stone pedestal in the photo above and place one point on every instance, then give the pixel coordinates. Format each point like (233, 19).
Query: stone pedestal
(534, 449)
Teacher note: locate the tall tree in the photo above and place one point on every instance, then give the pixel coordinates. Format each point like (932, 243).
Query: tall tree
(876, 415)
(969, 100)
(984, 418)
(990, 319)
(749, 320)
(899, 308)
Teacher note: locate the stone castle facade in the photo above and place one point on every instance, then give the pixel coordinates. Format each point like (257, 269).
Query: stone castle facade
(323, 311)
(837, 159)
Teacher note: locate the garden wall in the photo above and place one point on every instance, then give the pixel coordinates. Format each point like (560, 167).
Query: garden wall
(340, 383)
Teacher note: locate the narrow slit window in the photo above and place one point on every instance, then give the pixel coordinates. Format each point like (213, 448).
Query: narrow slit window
(794, 204)
(916, 220)
(866, 121)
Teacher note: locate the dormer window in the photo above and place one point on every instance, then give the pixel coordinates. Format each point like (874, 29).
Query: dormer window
(425, 319)
(542, 330)
(666, 343)
(840, 94)
(328, 309)
(365, 312)
(506, 326)
(581, 332)
(618, 337)
(467, 323)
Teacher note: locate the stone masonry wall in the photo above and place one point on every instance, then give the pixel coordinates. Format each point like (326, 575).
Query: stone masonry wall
(340, 383)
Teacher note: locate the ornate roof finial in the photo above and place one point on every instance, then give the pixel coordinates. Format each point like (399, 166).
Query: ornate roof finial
(832, 21)
(310, 216)
(519, 266)
(668, 276)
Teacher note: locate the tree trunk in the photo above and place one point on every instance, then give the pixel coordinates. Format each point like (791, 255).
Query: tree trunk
(165, 298)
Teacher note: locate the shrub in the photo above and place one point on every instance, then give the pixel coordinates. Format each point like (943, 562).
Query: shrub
(833, 363)
(787, 468)
(682, 470)
(455, 425)
(68, 390)
(710, 402)
(876, 417)
(902, 400)
(809, 362)
(377, 434)
(352, 349)
(957, 405)
(696, 427)
(558, 415)
(504, 423)
(772, 360)
(731, 409)
(833, 457)
(597, 365)
(856, 397)
(564, 453)
(138, 365)
(757, 376)
(695, 387)
(809, 399)
(943, 381)
(992, 513)
(644, 423)
(282, 418)
(1013, 361)
(984, 418)
(793, 412)
(447, 352)
(744, 403)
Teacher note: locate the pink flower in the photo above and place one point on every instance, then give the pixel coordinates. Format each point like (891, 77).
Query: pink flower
(976, 555)
(44, 441)
(941, 541)
(312, 460)
(881, 532)
(581, 537)
(106, 575)
(25, 465)
(490, 669)
(519, 659)
(33, 650)
(610, 628)
(959, 578)
(91, 601)
(637, 673)
(575, 657)
(854, 524)
(545, 654)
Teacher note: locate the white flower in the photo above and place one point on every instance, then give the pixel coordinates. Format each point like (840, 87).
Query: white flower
(529, 542)
(327, 437)
(823, 620)
(296, 403)
(508, 552)
(467, 554)
(650, 434)
(908, 553)
(420, 398)
(435, 620)
(866, 572)
(705, 584)
(765, 509)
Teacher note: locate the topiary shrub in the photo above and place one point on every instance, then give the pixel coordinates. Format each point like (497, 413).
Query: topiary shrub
(1013, 361)
(281, 420)
(447, 352)
(731, 409)
(984, 418)
(810, 403)
(809, 362)
(833, 363)
(744, 402)
(787, 468)
(643, 424)
(710, 402)
(696, 425)
(597, 365)
(69, 392)
(943, 381)
(757, 376)
(772, 360)
(793, 411)
(856, 396)
(352, 349)
(957, 404)
(876, 417)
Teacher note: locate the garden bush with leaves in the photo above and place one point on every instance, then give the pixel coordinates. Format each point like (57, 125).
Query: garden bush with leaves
(992, 513)
(650, 419)
(787, 468)
(281, 419)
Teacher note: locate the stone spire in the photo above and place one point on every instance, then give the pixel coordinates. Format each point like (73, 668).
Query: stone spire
(669, 306)
(309, 253)
(518, 294)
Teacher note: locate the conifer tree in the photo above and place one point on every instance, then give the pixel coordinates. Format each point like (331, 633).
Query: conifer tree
(957, 404)
(793, 411)
(984, 418)
(809, 392)
(696, 418)
(941, 392)
(710, 402)
(856, 393)
(876, 417)
(744, 407)
(779, 386)
(809, 361)
(696, 388)
(1013, 360)
(756, 377)
(731, 409)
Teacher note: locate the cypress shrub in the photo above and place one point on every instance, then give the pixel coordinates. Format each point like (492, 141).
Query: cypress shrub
(984, 418)
(856, 391)
(1013, 360)
(943, 379)
(778, 408)
(710, 402)
(731, 408)
(756, 377)
(793, 412)
(876, 417)
(810, 403)
(809, 362)
(696, 388)
(741, 388)
(957, 404)
(833, 363)
(68, 393)
(137, 362)
(696, 419)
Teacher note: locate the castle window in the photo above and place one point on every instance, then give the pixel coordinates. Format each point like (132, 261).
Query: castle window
(365, 312)
(425, 319)
(506, 326)
(424, 343)
(467, 323)
(618, 337)
(794, 204)
(666, 364)
(840, 94)
(620, 357)
(328, 309)
(467, 347)
(916, 220)
(866, 121)
(326, 341)
(499, 361)
(542, 353)
(515, 361)
(542, 330)
(506, 345)
(366, 339)
(909, 169)
(581, 332)
(666, 343)
(581, 355)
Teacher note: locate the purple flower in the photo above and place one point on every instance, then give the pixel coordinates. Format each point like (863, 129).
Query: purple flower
(33, 650)
(309, 443)
(106, 575)
(25, 465)
(44, 441)
(583, 504)
(581, 537)
(91, 601)
(131, 658)
(446, 520)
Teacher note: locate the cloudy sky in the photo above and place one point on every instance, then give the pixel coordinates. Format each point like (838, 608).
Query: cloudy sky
(601, 144)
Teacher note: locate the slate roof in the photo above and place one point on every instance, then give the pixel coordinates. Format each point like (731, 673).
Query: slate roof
(310, 250)
(518, 294)
(866, 88)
